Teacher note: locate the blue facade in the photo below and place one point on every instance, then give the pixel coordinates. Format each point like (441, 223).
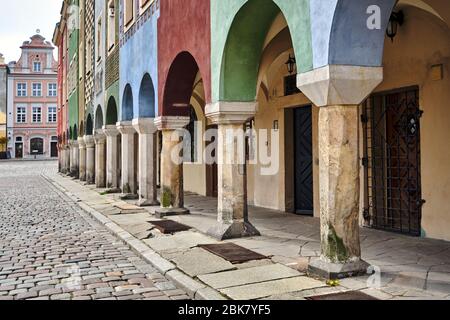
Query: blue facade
(138, 64)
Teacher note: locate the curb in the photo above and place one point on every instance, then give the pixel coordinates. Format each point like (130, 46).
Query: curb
(195, 289)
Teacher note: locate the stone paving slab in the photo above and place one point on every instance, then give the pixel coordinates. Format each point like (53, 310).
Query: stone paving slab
(197, 261)
(248, 276)
(270, 288)
(179, 241)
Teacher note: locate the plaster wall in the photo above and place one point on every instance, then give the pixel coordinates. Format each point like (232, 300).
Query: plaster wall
(424, 41)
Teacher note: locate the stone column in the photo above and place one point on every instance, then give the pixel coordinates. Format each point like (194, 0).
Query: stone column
(67, 157)
(61, 159)
(172, 191)
(100, 157)
(147, 161)
(338, 90)
(112, 177)
(232, 209)
(129, 183)
(82, 163)
(90, 159)
(76, 159)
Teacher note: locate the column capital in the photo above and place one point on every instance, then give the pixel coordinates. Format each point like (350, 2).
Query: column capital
(339, 84)
(224, 112)
(111, 130)
(99, 137)
(171, 123)
(145, 125)
(125, 127)
(89, 141)
(81, 142)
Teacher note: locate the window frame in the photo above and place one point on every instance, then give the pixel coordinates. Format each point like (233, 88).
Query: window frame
(127, 24)
(25, 89)
(37, 114)
(23, 114)
(35, 63)
(53, 114)
(33, 90)
(55, 90)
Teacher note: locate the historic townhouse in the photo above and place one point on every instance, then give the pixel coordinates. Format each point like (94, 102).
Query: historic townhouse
(353, 95)
(3, 102)
(32, 101)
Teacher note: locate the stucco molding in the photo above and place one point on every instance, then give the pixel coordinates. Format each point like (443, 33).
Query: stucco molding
(339, 84)
(224, 112)
(145, 125)
(171, 123)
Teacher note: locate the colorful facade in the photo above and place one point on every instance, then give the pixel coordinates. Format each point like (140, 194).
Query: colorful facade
(32, 101)
(354, 116)
(3, 103)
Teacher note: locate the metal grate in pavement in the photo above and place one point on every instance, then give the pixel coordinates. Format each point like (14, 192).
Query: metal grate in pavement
(232, 252)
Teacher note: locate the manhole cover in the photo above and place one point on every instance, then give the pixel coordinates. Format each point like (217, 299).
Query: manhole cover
(232, 252)
(169, 226)
(350, 295)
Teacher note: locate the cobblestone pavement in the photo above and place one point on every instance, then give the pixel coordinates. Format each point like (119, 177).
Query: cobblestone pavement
(52, 250)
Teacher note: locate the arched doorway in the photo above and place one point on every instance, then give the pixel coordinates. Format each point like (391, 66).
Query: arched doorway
(127, 104)
(111, 112)
(89, 125)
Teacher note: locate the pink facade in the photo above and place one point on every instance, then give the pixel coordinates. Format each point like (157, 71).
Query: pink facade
(33, 105)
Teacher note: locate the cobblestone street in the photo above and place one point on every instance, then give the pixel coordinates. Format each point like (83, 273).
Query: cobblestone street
(50, 249)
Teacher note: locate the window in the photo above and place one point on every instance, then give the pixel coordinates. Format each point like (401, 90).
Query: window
(111, 25)
(145, 4)
(51, 114)
(37, 90)
(99, 40)
(21, 89)
(37, 114)
(129, 12)
(36, 66)
(21, 114)
(52, 90)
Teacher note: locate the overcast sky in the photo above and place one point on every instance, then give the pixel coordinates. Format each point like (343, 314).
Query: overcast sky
(21, 18)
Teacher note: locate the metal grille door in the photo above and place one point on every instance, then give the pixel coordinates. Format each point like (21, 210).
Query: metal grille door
(392, 130)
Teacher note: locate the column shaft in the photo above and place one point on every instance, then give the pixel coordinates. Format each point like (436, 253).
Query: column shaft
(100, 160)
(90, 159)
(112, 165)
(82, 160)
(129, 183)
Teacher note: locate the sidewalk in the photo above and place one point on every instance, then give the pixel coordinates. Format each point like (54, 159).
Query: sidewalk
(407, 268)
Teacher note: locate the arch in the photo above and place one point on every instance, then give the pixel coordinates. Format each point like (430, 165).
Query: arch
(243, 50)
(36, 145)
(179, 85)
(89, 125)
(75, 133)
(147, 98)
(127, 104)
(111, 112)
(70, 133)
(99, 118)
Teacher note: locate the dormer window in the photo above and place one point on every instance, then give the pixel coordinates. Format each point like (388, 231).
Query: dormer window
(36, 66)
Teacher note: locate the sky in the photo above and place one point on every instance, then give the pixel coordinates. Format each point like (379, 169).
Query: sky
(21, 18)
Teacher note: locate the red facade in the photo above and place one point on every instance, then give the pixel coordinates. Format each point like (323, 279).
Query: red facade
(184, 47)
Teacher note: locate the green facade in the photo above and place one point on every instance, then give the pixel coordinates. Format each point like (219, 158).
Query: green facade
(238, 31)
(74, 37)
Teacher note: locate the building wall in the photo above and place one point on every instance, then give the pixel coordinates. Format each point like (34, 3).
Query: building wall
(142, 38)
(99, 80)
(193, 18)
(424, 41)
(3, 104)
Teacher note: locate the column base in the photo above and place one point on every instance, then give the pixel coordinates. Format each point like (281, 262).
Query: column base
(335, 271)
(129, 196)
(113, 191)
(148, 203)
(167, 212)
(225, 231)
